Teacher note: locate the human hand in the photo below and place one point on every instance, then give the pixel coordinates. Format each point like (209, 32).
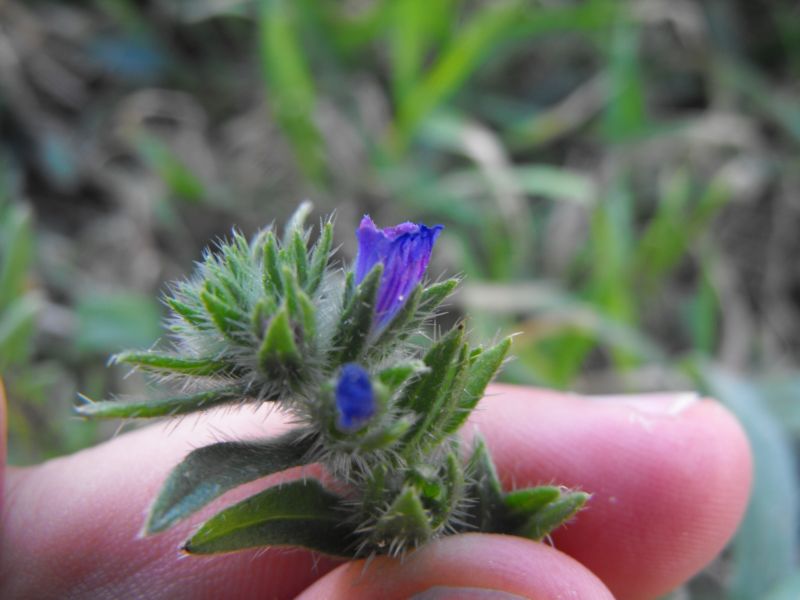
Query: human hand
(670, 478)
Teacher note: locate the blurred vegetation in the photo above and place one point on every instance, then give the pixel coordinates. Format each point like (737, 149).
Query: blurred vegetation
(619, 182)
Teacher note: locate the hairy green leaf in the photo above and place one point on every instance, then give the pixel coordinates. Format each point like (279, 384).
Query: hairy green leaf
(433, 295)
(405, 523)
(320, 258)
(356, 321)
(209, 472)
(278, 345)
(159, 407)
(553, 514)
(479, 374)
(199, 367)
(300, 513)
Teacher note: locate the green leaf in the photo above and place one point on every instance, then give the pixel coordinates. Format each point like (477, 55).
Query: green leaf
(273, 281)
(356, 321)
(452, 491)
(481, 372)
(529, 500)
(300, 257)
(229, 320)
(199, 367)
(433, 295)
(387, 437)
(300, 513)
(405, 523)
(159, 407)
(553, 514)
(192, 316)
(209, 472)
(319, 259)
(399, 373)
(428, 390)
(278, 345)
(484, 490)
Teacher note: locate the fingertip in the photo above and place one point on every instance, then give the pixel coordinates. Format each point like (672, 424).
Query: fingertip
(670, 477)
(464, 566)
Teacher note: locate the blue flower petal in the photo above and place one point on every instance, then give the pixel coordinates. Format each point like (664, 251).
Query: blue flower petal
(355, 398)
(405, 251)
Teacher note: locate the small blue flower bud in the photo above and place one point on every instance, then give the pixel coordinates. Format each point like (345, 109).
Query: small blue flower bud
(355, 398)
(404, 251)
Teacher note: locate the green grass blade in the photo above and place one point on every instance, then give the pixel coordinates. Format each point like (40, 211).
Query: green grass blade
(290, 88)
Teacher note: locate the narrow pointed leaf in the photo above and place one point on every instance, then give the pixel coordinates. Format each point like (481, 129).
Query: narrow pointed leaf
(484, 491)
(438, 359)
(307, 316)
(431, 431)
(386, 437)
(160, 407)
(263, 312)
(300, 257)
(209, 472)
(480, 373)
(399, 373)
(190, 314)
(453, 491)
(226, 317)
(199, 367)
(552, 515)
(356, 322)
(433, 295)
(406, 520)
(320, 258)
(300, 513)
(272, 269)
(527, 501)
(278, 345)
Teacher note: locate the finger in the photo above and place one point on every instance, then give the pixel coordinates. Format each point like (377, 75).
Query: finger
(70, 526)
(472, 566)
(670, 478)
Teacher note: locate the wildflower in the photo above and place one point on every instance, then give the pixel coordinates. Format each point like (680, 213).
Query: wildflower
(404, 250)
(355, 398)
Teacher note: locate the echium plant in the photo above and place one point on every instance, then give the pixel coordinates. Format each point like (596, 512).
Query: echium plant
(271, 321)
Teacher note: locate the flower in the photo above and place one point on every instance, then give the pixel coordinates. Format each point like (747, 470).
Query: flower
(355, 398)
(404, 250)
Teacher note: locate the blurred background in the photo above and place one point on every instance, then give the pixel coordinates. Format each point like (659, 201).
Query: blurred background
(619, 181)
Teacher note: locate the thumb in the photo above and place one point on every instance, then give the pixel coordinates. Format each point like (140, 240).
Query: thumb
(475, 566)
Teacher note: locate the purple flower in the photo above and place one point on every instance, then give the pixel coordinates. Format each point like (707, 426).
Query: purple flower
(355, 398)
(404, 250)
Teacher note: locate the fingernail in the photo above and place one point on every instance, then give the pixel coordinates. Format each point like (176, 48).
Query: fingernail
(441, 592)
(663, 404)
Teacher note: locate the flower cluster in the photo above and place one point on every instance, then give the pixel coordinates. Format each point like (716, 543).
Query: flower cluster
(269, 320)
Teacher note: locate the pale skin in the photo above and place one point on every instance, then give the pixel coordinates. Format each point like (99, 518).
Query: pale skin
(670, 477)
